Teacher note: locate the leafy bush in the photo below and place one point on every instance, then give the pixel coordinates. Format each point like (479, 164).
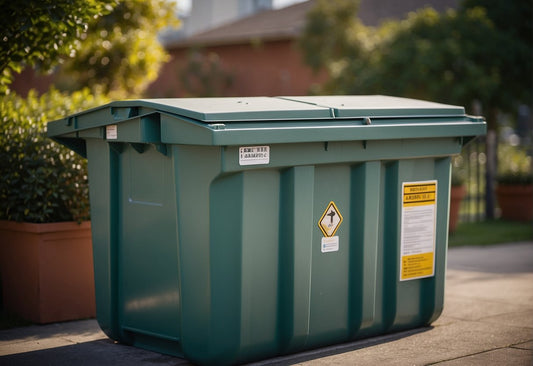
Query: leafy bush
(41, 181)
(514, 165)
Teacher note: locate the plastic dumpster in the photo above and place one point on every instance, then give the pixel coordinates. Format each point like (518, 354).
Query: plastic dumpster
(227, 230)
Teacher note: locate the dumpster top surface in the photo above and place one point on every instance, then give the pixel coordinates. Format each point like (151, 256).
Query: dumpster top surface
(265, 120)
(234, 109)
(293, 108)
(347, 106)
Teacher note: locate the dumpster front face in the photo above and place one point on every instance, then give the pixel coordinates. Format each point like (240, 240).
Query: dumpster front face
(234, 229)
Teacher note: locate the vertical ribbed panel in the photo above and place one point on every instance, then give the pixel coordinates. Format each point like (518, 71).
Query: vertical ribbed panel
(104, 177)
(225, 248)
(388, 263)
(295, 242)
(364, 209)
(443, 175)
(330, 282)
(259, 261)
(411, 302)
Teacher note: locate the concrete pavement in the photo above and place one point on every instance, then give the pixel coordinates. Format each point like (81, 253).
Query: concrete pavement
(487, 320)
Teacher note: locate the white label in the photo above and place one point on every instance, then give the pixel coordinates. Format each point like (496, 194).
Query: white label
(254, 155)
(419, 211)
(329, 244)
(111, 132)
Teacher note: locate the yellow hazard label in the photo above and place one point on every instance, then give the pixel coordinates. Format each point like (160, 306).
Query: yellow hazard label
(419, 194)
(417, 266)
(418, 229)
(330, 220)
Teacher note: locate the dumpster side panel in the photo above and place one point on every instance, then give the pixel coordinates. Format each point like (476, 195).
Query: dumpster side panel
(365, 203)
(226, 277)
(295, 251)
(271, 288)
(330, 275)
(195, 168)
(443, 173)
(407, 304)
(258, 242)
(256, 282)
(244, 261)
(133, 209)
(149, 300)
(103, 193)
(260, 261)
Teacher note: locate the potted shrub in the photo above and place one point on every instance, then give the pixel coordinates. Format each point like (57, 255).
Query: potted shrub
(457, 191)
(46, 262)
(515, 184)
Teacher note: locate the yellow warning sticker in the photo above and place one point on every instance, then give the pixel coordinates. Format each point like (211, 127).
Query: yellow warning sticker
(415, 194)
(418, 227)
(330, 220)
(417, 266)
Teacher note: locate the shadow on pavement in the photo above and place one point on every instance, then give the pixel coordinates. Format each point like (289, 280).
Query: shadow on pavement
(107, 352)
(339, 348)
(100, 352)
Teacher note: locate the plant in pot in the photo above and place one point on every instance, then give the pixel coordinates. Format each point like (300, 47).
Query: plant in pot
(457, 191)
(46, 262)
(515, 184)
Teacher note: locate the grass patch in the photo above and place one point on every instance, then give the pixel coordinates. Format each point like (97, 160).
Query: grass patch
(490, 232)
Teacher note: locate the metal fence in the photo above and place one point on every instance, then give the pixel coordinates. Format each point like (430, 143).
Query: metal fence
(471, 166)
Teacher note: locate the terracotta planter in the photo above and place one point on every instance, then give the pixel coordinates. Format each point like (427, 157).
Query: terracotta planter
(47, 270)
(515, 201)
(457, 194)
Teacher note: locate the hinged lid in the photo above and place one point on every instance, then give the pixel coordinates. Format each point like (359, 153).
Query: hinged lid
(357, 106)
(265, 120)
(233, 109)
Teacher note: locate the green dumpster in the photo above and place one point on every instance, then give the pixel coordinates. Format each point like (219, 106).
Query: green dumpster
(227, 230)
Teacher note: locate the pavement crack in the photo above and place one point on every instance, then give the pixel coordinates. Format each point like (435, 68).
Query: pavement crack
(469, 355)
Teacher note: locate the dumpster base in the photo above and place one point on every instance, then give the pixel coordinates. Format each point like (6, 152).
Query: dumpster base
(362, 340)
(156, 344)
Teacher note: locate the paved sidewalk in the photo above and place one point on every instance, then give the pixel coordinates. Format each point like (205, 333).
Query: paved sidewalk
(487, 320)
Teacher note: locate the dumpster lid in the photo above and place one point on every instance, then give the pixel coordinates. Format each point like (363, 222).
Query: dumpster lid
(232, 109)
(232, 121)
(294, 108)
(356, 106)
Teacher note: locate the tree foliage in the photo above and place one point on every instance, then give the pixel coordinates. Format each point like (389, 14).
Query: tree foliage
(40, 180)
(110, 46)
(437, 57)
(204, 74)
(332, 32)
(119, 53)
(462, 56)
(40, 32)
(107, 45)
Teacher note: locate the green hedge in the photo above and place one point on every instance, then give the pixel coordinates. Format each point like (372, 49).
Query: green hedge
(41, 181)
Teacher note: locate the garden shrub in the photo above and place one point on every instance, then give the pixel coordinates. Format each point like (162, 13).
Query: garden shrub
(41, 180)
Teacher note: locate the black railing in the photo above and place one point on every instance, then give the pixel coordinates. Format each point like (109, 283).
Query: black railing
(471, 166)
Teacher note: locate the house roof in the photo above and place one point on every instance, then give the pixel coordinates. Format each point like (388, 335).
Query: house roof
(287, 23)
(267, 25)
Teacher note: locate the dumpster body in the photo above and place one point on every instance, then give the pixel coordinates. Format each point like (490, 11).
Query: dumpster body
(227, 230)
